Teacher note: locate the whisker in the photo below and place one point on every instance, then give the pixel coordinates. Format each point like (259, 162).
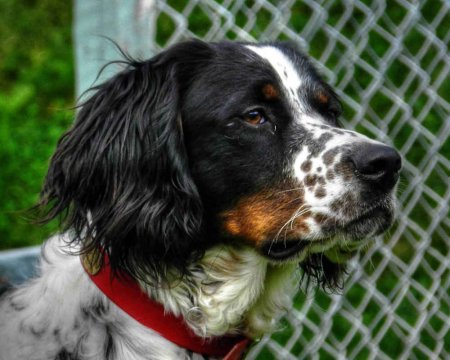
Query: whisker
(299, 212)
(296, 214)
(289, 190)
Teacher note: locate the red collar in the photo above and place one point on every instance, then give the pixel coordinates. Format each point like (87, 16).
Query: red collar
(126, 294)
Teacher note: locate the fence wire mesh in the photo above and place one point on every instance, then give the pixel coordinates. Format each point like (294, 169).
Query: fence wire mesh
(389, 62)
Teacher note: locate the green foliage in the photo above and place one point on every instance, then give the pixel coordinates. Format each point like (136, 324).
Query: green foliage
(36, 94)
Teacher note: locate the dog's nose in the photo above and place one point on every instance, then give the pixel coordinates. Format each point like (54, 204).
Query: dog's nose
(377, 164)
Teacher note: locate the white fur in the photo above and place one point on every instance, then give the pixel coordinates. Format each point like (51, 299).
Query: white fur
(230, 290)
(228, 283)
(285, 70)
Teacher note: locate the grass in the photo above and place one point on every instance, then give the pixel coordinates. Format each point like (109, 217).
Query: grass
(36, 94)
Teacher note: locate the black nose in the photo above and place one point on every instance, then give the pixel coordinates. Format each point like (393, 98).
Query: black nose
(377, 164)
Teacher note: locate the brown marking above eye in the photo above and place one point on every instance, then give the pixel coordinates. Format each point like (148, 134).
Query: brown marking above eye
(270, 92)
(261, 216)
(322, 98)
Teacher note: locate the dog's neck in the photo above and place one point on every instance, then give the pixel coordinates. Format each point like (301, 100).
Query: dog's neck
(230, 290)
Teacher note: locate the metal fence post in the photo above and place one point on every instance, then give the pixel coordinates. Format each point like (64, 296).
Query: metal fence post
(127, 23)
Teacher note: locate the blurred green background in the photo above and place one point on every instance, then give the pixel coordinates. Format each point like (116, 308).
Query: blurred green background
(36, 97)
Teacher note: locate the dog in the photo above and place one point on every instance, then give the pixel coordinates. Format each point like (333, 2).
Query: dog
(196, 191)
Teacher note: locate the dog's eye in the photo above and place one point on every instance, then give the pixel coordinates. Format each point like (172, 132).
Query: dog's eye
(255, 117)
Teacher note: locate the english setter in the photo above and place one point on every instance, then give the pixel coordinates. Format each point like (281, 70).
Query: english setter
(193, 188)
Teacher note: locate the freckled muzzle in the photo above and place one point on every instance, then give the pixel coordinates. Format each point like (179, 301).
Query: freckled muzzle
(363, 204)
(344, 192)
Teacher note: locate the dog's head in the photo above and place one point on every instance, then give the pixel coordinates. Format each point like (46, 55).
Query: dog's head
(225, 142)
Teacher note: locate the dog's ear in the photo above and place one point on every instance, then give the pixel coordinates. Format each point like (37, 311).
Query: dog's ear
(119, 177)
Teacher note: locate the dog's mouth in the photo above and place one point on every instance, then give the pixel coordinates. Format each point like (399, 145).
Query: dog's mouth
(372, 222)
(283, 250)
(367, 224)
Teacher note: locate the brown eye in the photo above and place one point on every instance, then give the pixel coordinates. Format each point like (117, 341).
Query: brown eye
(255, 117)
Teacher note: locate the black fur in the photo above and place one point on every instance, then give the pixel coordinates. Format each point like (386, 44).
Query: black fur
(321, 272)
(64, 355)
(120, 176)
(160, 149)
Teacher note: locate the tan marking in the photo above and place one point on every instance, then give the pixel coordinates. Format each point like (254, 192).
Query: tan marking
(261, 216)
(270, 92)
(322, 97)
(92, 261)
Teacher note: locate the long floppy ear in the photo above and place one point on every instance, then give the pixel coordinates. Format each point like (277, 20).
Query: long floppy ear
(120, 178)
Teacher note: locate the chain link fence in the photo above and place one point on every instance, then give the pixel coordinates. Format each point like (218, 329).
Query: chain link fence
(389, 62)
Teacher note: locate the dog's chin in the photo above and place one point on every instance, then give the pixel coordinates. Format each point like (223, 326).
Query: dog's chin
(336, 250)
(339, 240)
(371, 222)
(323, 263)
(281, 251)
(360, 222)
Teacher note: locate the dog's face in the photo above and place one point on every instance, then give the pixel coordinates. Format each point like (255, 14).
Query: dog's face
(211, 143)
(271, 163)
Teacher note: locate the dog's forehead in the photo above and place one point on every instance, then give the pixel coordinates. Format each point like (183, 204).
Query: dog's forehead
(291, 79)
(282, 65)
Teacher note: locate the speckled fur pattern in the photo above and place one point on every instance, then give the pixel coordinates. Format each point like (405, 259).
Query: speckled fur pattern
(62, 314)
